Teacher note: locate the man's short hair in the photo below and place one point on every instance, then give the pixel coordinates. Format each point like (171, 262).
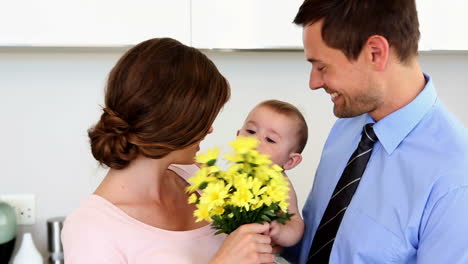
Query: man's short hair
(348, 24)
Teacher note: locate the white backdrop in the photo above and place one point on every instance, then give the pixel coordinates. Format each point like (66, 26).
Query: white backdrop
(50, 97)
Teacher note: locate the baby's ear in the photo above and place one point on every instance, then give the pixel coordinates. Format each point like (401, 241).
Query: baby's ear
(294, 160)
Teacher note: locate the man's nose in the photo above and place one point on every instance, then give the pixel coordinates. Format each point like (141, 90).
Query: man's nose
(316, 80)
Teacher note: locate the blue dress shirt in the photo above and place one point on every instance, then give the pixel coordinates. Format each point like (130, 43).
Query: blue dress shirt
(411, 205)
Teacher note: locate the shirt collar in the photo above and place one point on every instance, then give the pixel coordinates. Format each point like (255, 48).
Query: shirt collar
(392, 129)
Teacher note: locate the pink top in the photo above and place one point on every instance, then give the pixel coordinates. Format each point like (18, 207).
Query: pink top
(99, 232)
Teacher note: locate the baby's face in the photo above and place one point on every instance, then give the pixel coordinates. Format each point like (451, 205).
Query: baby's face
(276, 132)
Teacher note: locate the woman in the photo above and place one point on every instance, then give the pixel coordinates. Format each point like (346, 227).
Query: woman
(161, 100)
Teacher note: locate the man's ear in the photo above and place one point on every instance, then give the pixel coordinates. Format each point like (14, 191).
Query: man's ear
(377, 52)
(294, 159)
(238, 132)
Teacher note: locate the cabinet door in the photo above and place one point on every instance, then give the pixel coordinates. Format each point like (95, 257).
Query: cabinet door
(443, 24)
(92, 22)
(263, 24)
(245, 24)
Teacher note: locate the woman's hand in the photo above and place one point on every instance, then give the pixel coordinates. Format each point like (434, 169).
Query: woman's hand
(246, 245)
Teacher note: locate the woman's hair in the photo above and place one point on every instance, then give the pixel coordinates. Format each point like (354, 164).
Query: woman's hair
(161, 96)
(290, 111)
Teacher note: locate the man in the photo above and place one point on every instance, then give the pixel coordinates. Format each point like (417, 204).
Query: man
(402, 195)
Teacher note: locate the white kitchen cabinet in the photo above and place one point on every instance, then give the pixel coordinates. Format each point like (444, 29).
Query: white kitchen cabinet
(207, 24)
(245, 24)
(90, 23)
(443, 24)
(265, 24)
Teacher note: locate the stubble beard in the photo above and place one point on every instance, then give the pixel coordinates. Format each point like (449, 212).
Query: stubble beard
(357, 106)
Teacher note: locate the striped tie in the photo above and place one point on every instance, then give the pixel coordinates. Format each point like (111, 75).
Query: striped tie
(342, 195)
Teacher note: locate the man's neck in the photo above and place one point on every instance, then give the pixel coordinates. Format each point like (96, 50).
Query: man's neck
(402, 85)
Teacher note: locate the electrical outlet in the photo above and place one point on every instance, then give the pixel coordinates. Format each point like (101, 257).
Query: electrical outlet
(24, 205)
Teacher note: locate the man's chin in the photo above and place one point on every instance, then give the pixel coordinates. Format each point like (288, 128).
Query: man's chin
(345, 113)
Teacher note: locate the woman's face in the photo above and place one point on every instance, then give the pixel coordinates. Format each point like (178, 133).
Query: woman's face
(187, 155)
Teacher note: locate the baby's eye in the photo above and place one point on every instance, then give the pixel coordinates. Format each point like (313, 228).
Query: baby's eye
(270, 140)
(250, 131)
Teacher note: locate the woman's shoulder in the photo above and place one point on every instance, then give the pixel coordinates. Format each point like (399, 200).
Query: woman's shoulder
(184, 171)
(98, 216)
(93, 213)
(88, 234)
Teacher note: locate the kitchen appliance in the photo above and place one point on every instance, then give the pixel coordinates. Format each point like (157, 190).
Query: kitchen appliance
(7, 232)
(54, 243)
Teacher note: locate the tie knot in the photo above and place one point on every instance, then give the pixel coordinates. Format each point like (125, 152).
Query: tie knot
(368, 134)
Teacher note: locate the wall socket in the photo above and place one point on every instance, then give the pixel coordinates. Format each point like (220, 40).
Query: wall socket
(24, 205)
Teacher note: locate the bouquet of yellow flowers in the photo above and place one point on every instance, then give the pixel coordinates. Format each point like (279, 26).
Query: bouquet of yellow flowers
(251, 190)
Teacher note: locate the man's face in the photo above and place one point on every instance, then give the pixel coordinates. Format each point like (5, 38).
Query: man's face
(349, 83)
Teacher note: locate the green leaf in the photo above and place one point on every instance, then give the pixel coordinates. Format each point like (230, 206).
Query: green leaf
(211, 162)
(281, 221)
(203, 185)
(270, 213)
(266, 218)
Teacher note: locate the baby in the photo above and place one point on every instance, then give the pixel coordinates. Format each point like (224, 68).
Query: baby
(282, 131)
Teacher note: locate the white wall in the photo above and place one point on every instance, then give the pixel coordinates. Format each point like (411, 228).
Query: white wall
(49, 98)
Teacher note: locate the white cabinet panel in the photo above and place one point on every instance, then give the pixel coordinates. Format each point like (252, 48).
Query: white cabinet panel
(263, 24)
(221, 24)
(444, 24)
(245, 24)
(424, 16)
(92, 22)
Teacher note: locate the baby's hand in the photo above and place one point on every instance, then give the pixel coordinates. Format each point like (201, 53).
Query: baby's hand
(275, 231)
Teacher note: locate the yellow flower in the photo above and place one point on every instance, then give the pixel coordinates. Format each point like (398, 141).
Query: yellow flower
(277, 168)
(214, 194)
(250, 182)
(263, 159)
(257, 187)
(210, 156)
(213, 169)
(240, 181)
(217, 211)
(243, 144)
(233, 158)
(284, 206)
(202, 176)
(193, 198)
(242, 198)
(202, 213)
(266, 199)
(277, 194)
